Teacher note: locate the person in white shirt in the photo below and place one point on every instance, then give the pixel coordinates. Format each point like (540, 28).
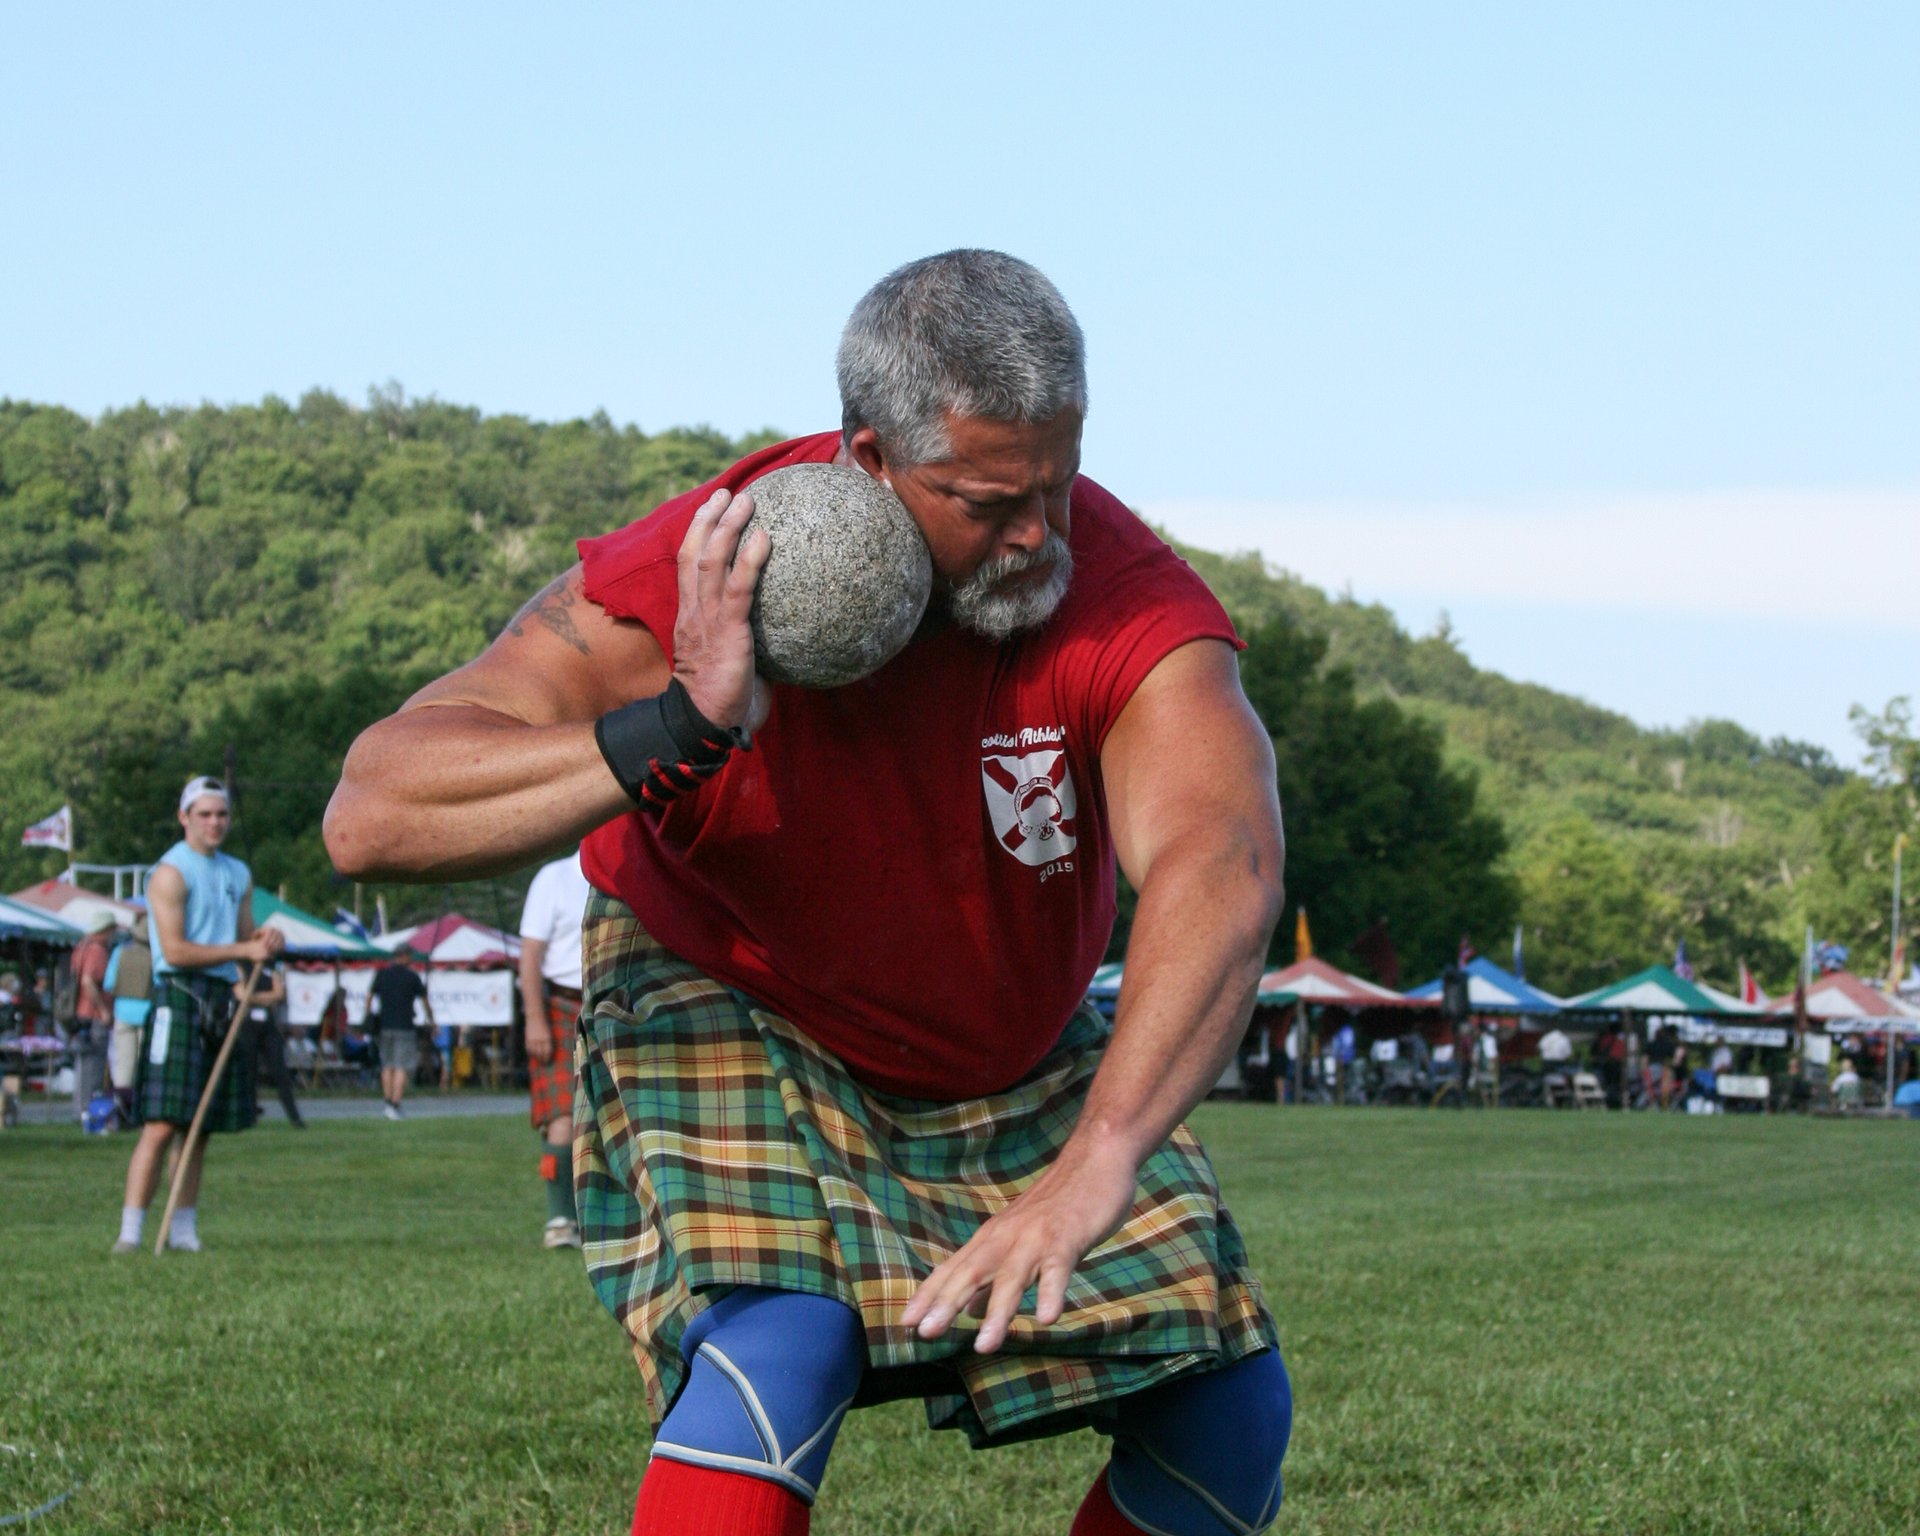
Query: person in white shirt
(550, 992)
(1555, 1048)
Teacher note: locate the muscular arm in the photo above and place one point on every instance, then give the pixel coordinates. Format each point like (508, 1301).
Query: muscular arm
(1196, 820)
(1191, 790)
(495, 765)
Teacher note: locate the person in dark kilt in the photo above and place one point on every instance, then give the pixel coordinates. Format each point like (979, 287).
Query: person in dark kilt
(200, 911)
(847, 1130)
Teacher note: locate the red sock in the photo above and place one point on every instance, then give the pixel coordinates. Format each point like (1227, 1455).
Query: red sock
(1099, 1515)
(677, 1499)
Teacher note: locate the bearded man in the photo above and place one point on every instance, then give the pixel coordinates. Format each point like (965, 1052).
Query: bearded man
(847, 1130)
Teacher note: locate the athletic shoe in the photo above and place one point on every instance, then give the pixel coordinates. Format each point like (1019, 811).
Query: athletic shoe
(562, 1233)
(123, 1246)
(393, 1112)
(191, 1245)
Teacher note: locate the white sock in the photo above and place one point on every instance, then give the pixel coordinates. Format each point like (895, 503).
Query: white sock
(133, 1220)
(185, 1231)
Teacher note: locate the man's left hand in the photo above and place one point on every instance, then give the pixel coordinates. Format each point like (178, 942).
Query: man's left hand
(1042, 1235)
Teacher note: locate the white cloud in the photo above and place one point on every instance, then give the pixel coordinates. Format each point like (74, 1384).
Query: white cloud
(1838, 557)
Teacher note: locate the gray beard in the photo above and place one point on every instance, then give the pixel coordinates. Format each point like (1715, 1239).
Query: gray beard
(978, 604)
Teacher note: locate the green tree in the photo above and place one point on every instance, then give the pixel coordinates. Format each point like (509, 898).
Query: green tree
(1590, 914)
(1379, 828)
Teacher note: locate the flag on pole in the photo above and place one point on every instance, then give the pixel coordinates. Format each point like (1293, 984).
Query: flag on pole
(1749, 988)
(1466, 951)
(1682, 967)
(1519, 953)
(55, 831)
(1302, 940)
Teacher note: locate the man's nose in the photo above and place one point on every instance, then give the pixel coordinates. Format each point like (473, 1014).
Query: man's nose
(1027, 529)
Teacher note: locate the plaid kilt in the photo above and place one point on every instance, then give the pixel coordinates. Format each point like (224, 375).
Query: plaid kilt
(190, 1015)
(550, 1082)
(726, 1148)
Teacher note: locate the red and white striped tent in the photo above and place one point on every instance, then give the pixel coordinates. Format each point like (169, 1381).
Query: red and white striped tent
(455, 939)
(1320, 985)
(1840, 1000)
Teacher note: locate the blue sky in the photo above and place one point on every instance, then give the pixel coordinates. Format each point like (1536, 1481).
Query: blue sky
(1495, 309)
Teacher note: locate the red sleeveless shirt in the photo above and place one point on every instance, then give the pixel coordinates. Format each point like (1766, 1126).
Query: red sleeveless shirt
(915, 868)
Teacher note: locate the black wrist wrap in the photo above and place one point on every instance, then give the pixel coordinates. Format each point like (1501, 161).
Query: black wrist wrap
(661, 747)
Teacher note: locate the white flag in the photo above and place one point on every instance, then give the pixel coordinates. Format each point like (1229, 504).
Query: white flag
(55, 831)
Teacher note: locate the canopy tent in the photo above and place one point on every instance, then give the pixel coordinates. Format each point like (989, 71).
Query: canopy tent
(1699, 1013)
(455, 939)
(308, 937)
(1104, 990)
(1842, 1001)
(1315, 982)
(21, 920)
(1658, 989)
(1492, 990)
(75, 906)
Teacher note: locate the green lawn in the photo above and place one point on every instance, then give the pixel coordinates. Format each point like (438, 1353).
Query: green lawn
(1520, 1322)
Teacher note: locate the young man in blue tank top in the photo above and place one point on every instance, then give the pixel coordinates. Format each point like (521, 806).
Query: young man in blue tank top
(200, 902)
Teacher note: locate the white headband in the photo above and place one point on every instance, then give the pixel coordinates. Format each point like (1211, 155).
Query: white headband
(199, 788)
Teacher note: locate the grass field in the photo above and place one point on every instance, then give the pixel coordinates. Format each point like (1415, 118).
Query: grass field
(1520, 1322)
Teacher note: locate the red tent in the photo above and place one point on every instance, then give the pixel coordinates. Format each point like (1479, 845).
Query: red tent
(1314, 981)
(1840, 998)
(455, 939)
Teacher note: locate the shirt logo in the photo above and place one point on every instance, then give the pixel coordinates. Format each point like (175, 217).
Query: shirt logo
(1031, 804)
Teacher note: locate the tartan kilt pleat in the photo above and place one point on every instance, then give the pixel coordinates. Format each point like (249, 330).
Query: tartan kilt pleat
(717, 1146)
(550, 1082)
(187, 1036)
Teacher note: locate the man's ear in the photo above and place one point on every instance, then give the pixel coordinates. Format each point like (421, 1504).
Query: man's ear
(869, 453)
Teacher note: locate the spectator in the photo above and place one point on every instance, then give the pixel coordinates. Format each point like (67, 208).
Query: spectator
(129, 987)
(93, 1014)
(1678, 1068)
(268, 1042)
(550, 995)
(1556, 1049)
(1609, 1060)
(1722, 1060)
(396, 988)
(1846, 1085)
(1661, 1045)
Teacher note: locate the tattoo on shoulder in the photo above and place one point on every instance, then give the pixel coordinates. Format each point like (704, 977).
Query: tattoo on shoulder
(553, 606)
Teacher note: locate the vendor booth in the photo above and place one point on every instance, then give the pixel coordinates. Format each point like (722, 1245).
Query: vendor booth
(1364, 1045)
(31, 939)
(1841, 1006)
(1659, 998)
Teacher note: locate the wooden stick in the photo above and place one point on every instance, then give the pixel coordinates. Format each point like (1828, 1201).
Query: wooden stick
(206, 1101)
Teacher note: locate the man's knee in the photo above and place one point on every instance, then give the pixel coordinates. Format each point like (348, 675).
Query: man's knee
(770, 1375)
(1201, 1455)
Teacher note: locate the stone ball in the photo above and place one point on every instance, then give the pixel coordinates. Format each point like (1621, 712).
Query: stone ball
(847, 577)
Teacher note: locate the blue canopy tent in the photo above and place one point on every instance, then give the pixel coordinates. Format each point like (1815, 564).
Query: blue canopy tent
(1492, 990)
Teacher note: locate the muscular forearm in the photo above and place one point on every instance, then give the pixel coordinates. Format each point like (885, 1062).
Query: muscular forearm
(455, 791)
(184, 955)
(1199, 943)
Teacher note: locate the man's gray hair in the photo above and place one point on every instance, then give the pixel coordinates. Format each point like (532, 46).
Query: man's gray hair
(976, 333)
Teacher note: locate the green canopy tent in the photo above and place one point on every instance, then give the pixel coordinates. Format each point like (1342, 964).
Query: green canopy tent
(1660, 996)
(309, 937)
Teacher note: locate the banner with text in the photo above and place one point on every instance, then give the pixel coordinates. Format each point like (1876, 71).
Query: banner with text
(482, 999)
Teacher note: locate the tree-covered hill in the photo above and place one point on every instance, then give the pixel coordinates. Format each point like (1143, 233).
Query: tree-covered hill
(268, 578)
(1626, 840)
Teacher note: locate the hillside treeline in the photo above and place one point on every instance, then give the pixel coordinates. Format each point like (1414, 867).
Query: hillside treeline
(177, 585)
